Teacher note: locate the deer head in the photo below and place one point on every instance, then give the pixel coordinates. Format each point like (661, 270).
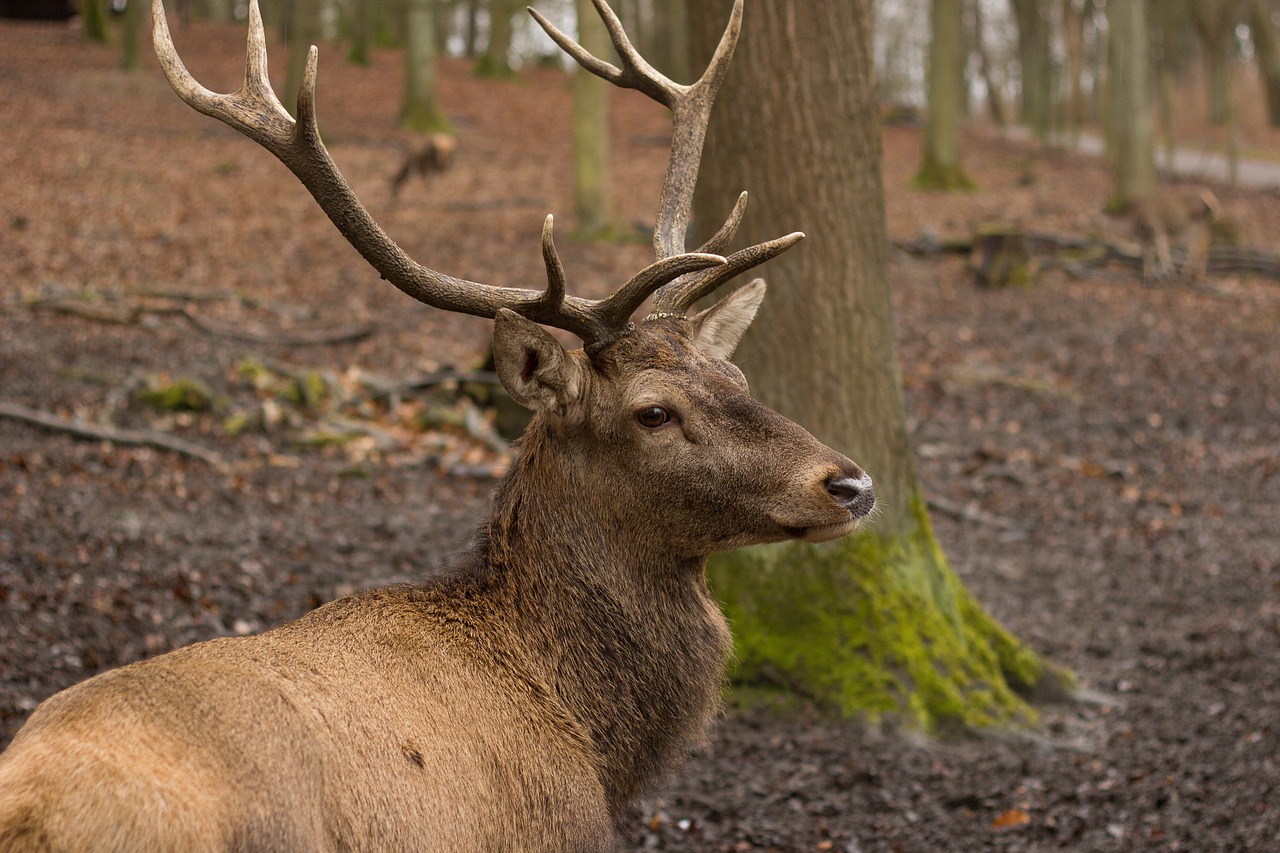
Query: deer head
(656, 397)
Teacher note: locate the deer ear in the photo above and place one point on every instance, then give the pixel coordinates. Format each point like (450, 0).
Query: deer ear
(532, 365)
(718, 329)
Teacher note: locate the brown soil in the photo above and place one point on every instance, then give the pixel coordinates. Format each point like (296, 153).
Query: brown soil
(1113, 449)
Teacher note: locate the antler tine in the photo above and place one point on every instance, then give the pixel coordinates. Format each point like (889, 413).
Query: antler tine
(554, 294)
(729, 229)
(677, 298)
(617, 309)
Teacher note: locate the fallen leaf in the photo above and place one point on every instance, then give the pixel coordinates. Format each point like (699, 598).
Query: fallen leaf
(1013, 817)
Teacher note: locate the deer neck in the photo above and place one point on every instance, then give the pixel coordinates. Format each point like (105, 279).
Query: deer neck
(627, 637)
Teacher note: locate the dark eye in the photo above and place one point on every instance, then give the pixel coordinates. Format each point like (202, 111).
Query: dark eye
(652, 417)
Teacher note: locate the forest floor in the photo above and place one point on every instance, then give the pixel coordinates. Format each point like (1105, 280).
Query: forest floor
(1103, 456)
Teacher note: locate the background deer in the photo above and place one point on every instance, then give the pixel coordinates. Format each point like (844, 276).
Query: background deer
(1174, 216)
(424, 159)
(521, 700)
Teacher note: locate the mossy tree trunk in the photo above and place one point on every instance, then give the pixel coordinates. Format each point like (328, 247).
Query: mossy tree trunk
(130, 26)
(496, 60)
(94, 16)
(420, 109)
(877, 623)
(940, 167)
(591, 187)
(1131, 128)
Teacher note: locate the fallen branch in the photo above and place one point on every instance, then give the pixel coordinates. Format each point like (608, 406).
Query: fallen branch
(964, 513)
(343, 335)
(131, 315)
(1077, 255)
(129, 437)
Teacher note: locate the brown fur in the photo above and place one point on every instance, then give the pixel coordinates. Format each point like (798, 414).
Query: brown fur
(1174, 216)
(521, 701)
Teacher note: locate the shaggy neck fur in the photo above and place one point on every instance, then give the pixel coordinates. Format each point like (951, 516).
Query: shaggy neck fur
(625, 637)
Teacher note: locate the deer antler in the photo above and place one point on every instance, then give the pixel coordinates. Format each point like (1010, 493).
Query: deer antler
(690, 110)
(678, 278)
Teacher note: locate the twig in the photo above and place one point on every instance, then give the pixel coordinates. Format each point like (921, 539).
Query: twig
(131, 437)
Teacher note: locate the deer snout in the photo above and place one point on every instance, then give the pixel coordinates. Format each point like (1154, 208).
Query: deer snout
(855, 495)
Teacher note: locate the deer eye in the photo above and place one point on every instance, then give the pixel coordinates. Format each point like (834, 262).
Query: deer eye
(652, 417)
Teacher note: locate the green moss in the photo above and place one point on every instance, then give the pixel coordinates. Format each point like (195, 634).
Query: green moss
(422, 118)
(177, 395)
(492, 69)
(308, 390)
(935, 176)
(875, 626)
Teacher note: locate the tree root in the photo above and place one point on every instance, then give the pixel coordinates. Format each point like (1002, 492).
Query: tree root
(130, 437)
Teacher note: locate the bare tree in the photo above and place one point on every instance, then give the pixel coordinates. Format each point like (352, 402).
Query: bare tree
(591, 187)
(420, 110)
(986, 68)
(304, 31)
(878, 623)
(1130, 126)
(1263, 30)
(496, 59)
(1035, 60)
(1215, 23)
(940, 167)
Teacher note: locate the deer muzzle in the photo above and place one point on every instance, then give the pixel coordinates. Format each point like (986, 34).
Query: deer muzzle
(856, 496)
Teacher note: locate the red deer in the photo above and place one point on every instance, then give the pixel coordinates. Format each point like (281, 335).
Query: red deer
(525, 698)
(435, 154)
(1170, 216)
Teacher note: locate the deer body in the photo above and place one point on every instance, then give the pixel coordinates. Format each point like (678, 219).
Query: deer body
(564, 665)
(523, 699)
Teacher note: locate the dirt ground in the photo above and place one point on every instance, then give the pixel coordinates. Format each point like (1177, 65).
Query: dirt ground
(1103, 456)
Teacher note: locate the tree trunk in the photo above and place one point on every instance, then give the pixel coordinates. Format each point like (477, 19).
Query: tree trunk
(876, 623)
(420, 111)
(473, 29)
(591, 191)
(671, 39)
(1073, 17)
(1037, 70)
(995, 91)
(940, 167)
(304, 31)
(94, 16)
(364, 24)
(130, 27)
(1131, 131)
(1264, 40)
(1215, 22)
(496, 61)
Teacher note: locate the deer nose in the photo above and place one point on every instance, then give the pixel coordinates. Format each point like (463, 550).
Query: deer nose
(855, 495)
